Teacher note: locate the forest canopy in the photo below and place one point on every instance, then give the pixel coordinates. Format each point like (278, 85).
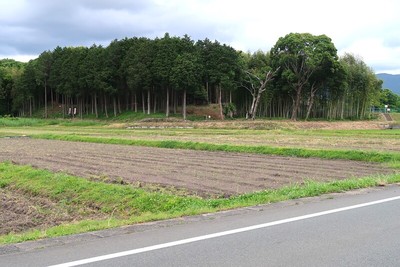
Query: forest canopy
(301, 77)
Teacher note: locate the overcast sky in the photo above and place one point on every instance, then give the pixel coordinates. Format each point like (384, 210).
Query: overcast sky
(369, 29)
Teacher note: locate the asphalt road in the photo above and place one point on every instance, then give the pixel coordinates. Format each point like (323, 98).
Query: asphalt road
(353, 229)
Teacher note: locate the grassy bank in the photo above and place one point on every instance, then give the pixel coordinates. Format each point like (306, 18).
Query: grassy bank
(118, 205)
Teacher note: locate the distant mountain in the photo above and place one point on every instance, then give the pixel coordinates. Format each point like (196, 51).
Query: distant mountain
(390, 81)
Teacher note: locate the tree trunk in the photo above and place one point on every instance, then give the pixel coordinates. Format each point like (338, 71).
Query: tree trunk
(62, 106)
(45, 98)
(342, 111)
(257, 101)
(148, 102)
(92, 104)
(296, 105)
(310, 101)
(155, 104)
(309, 106)
(81, 108)
(72, 107)
(221, 112)
(175, 101)
(87, 104)
(51, 95)
(167, 104)
(95, 105)
(252, 107)
(208, 93)
(119, 105)
(105, 106)
(30, 107)
(135, 103)
(127, 101)
(115, 106)
(184, 105)
(143, 104)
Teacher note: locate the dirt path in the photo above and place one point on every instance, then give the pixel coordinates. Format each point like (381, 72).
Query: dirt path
(198, 171)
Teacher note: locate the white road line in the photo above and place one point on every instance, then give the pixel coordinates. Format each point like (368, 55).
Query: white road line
(230, 232)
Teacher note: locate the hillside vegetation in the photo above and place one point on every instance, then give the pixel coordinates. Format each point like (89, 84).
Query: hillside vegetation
(390, 81)
(300, 77)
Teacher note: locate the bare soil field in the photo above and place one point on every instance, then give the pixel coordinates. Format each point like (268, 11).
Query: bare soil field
(18, 212)
(196, 172)
(199, 172)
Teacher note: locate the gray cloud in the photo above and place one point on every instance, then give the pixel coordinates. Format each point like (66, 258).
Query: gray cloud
(46, 24)
(29, 27)
(42, 25)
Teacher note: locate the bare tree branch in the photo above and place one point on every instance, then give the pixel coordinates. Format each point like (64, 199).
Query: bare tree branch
(256, 92)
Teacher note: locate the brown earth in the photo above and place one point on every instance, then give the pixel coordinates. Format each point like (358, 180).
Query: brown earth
(201, 172)
(259, 124)
(19, 212)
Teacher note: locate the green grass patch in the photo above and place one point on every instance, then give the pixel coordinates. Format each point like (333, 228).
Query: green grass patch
(18, 122)
(368, 156)
(395, 116)
(136, 116)
(32, 122)
(125, 204)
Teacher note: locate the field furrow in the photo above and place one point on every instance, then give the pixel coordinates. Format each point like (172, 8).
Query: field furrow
(197, 171)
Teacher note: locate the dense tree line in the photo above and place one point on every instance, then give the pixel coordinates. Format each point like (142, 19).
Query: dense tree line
(300, 77)
(10, 71)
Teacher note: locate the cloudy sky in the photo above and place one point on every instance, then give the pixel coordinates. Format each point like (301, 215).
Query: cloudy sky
(369, 29)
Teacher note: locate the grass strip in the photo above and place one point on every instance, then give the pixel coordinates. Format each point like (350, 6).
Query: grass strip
(124, 204)
(32, 122)
(368, 156)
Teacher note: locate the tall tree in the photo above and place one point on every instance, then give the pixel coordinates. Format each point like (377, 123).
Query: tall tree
(257, 76)
(10, 72)
(138, 65)
(25, 90)
(300, 56)
(186, 76)
(167, 49)
(45, 62)
(362, 86)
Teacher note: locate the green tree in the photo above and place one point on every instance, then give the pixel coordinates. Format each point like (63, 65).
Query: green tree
(167, 50)
(362, 87)
(45, 61)
(300, 56)
(387, 97)
(10, 71)
(258, 74)
(139, 70)
(114, 57)
(186, 76)
(26, 89)
(93, 76)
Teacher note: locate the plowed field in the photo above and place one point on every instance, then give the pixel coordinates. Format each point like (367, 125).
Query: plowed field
(201, 172)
